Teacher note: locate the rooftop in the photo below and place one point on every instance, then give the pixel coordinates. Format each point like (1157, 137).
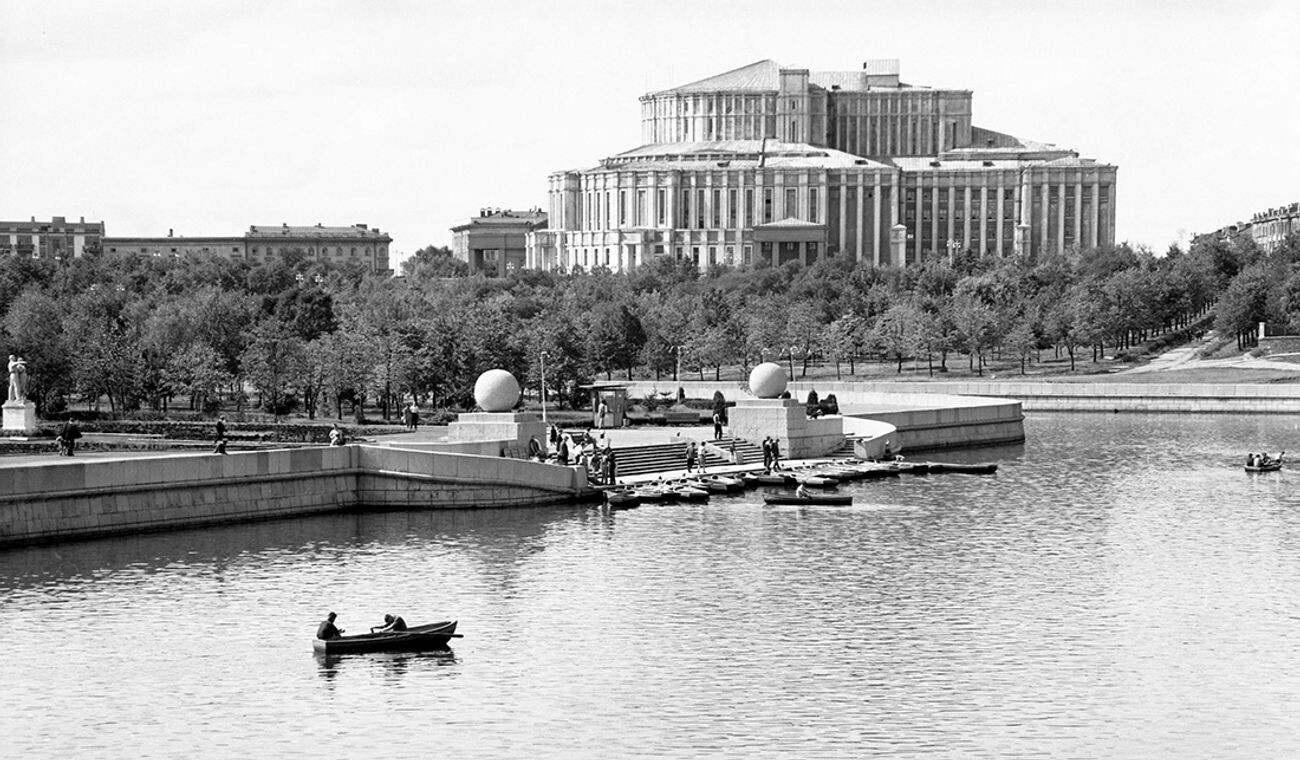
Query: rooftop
(318, 231)
(737, 153)
(765, 76)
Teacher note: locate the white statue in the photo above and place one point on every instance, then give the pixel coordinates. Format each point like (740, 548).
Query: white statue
(17, 378)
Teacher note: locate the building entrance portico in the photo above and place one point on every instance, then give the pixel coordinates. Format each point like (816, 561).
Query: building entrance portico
(790, 240)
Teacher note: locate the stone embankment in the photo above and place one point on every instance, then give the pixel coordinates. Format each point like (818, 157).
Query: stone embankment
(1043, 396)
(70, 499)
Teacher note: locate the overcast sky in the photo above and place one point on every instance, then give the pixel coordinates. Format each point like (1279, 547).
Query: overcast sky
(206, 117)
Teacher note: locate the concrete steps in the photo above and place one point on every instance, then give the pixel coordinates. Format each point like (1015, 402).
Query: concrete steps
(661, 457)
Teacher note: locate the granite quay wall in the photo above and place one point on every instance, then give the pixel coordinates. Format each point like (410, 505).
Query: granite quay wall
(1104, 397)
(66, 499)
(1236, 398)
(923, 420)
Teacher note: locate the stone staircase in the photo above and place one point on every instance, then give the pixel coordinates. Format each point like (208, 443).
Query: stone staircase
(660, 457)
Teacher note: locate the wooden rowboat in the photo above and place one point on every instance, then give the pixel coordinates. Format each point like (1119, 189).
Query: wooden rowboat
(773, 498)
(417, 639)
(968, 469)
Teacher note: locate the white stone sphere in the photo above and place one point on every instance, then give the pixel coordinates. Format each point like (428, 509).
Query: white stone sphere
(767, 380)
(496, 391)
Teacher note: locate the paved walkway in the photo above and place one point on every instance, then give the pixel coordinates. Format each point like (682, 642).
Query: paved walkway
(1185, 357)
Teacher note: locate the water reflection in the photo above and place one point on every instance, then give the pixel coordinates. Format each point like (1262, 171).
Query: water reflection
(391, 667)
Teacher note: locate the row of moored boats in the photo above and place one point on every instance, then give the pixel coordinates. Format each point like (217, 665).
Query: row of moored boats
(826, 475)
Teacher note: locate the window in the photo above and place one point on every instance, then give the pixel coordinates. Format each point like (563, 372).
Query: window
(731, 208)
(713, 255)
(749, 254)
(699, 210)
(791, 202)
(749, 206)
(717, 208)
(812, 204)
(661, 208)
(622, 208)
(641, 215)
(767, 204)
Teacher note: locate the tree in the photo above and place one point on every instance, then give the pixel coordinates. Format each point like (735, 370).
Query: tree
(273, 363)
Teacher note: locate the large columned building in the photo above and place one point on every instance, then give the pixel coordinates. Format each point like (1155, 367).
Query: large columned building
(769, 164)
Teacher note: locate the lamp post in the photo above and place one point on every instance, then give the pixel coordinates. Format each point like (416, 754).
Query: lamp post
(543, 360)
(677, 370)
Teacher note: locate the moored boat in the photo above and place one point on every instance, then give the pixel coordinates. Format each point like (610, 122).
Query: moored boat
(987, 468)
(777, 498)
(622, 499)
(416, 639)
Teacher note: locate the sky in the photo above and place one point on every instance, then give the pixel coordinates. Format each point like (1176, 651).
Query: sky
(205, 117)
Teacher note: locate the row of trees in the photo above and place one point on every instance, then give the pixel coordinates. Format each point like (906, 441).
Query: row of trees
(136, 332)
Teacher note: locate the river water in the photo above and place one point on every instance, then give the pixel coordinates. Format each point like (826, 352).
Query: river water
(1121, 588)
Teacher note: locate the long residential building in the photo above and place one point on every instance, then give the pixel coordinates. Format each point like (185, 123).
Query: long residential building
(55, 239)
(769, 164)
(266, 243)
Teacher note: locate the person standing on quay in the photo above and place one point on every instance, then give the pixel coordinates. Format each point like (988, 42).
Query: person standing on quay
(221, 428)
(767, 454)
(776, 453)
(691, 454)
(717, 426)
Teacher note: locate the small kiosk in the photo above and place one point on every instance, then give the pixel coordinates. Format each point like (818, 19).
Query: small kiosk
(608, 404)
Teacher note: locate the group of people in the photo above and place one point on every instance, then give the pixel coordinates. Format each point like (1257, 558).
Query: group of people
(594, 453)
(695, 455)
(771, 453)
(66, 440)
(1262, 460)
(328, 630)
(411, 417)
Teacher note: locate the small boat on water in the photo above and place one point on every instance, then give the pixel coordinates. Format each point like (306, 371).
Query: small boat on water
(780, 498)
(987, 468)
(417, 639)
(1265, 464)
(622, 499)
(717, 484)
(815, 481)
(767, 479)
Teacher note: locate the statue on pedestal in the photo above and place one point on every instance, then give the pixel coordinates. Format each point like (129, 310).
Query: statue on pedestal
(17, 378)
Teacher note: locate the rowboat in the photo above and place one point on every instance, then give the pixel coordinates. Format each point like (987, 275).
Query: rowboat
(714, 484)
(417, 639)
(1271, 465)
(773, 498)
(768, 479)
(968, 469)
(622, 499)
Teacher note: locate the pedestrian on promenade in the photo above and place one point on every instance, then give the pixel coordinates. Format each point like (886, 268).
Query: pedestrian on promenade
(221, 428)
(717, 426)
(691, 454)
(767, 454)
(776, 453)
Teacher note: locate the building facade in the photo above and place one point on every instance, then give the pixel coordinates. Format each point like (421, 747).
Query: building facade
(768, 164)
(264, 244)
(1271, 228)
(55, 239)
(495, 242)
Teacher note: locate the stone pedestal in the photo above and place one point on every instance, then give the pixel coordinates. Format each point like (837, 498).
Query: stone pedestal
(513, 429)
(19, 416)
(787, 421)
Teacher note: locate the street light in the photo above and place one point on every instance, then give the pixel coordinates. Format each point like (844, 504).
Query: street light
(677, 371)
(543, 360)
